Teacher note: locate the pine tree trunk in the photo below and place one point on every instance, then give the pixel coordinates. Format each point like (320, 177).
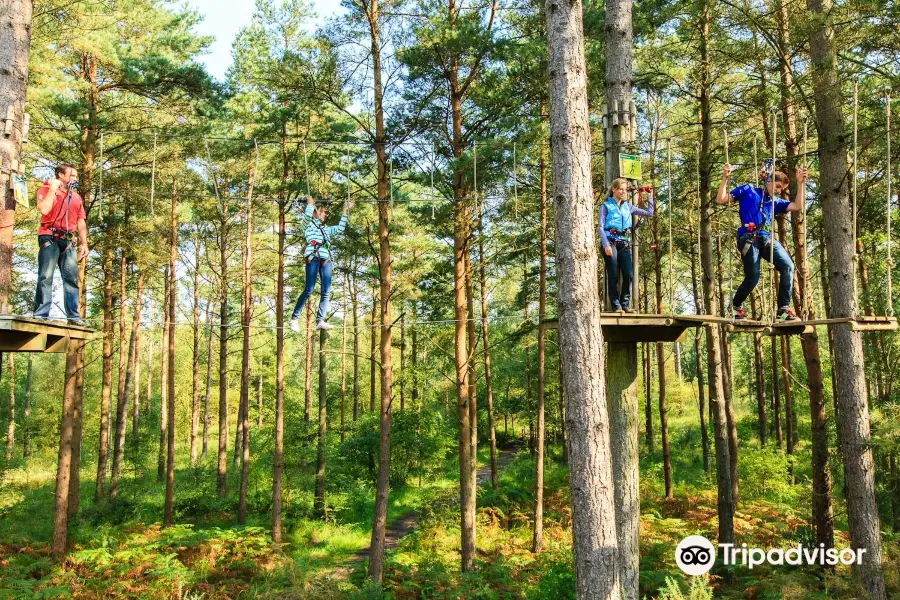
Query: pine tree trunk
(222, 467)
(307, 381)
(382, 488)
(246, 316)
(528, 408)
(776, 393)
(122, 407)
(415, 355)
(403, 359)
(713, 343)
(727, 379)
(64, 458)
(485, 339)
(163, 384)
(195, 381)
(319, 511)
(698, 356)
(11, 427)
(373, 339)
(169, 510)
(15, 41)
(353, 304)
(594, 542)
(206, 392)
(537, 541)
(106, 384)
(473, 380)
(853, 416)
(26, 413)
(648, 400)
(343, 355)
(621, 386)
(123, 346)
(278, 467)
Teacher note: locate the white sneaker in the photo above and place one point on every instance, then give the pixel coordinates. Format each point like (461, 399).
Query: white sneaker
(322, 325)
(295, 325)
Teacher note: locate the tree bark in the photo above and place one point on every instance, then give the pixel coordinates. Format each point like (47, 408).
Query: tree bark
(853, 416)
(169, 510)
(595, 546)
(319, 511)
(15, 42)
(343, 356)
(163, 384)
(122, 408)
(206, 392)
(537, 541)
(123, 347)
(246, 316)
(106, 382)
(698, 355)
(222, 468)
(278, 467)
(64, 458)
(727, 378)
(195, 381)
(713, 344)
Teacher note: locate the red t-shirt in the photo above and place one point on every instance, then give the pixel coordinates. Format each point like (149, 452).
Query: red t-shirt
(57, 215)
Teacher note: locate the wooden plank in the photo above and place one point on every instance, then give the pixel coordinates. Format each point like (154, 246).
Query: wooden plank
(38, 326)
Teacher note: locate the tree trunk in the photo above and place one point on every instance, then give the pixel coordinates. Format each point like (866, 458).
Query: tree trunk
(698, 354)
(64, 458)
(403, 358)
(353, 305)
(713, 344)
(278, 467)
(11, 428)
(122, 408)
(246, 316)
(595, 546)
(15, 42)
(163, 384)
(473, 381)
(343, 355)
(382, 489)
(106, 385)
(206, 392)
(26, 413)
(621, 386)
(727, 378)
(123, 347)
(195, 381)
(307, 380)
(319, 511)
(528, 408)
(415, 355)
(776, 393)
(759, 366)
(489, 390)
(537, 541)
(169, 512)
(853, 416)
(648, 400)
(222, 469)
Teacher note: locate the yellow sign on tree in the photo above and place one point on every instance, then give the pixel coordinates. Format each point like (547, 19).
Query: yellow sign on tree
(629, 166)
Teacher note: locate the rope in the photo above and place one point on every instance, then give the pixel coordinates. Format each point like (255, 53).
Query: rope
(890, 263)
(669, 207)
(153, 177)
(755, 161)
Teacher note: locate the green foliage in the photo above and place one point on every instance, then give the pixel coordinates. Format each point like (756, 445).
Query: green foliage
(698, 589)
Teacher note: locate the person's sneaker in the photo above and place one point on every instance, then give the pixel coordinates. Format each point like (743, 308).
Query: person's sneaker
(627, 309)
(786, 314)
(739, 314)
(323, 326)
(295, 325)
(79, 323)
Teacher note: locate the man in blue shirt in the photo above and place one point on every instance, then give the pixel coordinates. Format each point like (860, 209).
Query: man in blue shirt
(754, 236)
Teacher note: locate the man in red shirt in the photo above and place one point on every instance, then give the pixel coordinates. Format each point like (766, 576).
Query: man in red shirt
(62, 237)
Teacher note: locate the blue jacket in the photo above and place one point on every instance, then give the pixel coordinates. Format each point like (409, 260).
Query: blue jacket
(318, 236)
(755, 206)
(618, 216)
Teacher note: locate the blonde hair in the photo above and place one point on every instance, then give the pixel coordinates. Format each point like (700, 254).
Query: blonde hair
(616, 183)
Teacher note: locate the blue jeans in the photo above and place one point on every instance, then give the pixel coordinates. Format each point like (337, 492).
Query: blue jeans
(752, 250)
(316, 267)
(620, 261)
(55, 252)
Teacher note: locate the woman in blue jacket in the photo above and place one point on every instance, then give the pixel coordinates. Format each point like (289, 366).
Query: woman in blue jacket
(756, 207)
(317, 255)
(615, 228)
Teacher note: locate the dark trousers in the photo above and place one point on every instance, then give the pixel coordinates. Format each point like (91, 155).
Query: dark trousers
(619, 264)
(315, 269)
(55, 252)
(753, 249)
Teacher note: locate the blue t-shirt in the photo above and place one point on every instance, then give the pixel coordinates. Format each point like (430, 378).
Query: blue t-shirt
(755, 206)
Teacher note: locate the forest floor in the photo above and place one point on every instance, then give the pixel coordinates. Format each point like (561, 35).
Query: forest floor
(120, 551)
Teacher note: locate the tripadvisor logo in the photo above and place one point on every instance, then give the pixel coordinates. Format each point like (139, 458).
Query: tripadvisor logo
(695, 555)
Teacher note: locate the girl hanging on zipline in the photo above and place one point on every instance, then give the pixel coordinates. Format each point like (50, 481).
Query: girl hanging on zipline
(754, 236)
(615, 228)
(317, 255)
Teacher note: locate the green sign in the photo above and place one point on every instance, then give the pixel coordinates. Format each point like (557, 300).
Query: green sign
(630, 166)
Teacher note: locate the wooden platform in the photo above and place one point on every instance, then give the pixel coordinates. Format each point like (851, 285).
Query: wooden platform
(634, 327)
(26, 334)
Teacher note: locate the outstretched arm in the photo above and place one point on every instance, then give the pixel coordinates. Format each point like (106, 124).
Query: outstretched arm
(342, 224)
(723, 197)
(797, 204)
(644, 212)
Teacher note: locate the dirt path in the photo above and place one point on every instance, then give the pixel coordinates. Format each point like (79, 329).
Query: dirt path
(405, 524)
